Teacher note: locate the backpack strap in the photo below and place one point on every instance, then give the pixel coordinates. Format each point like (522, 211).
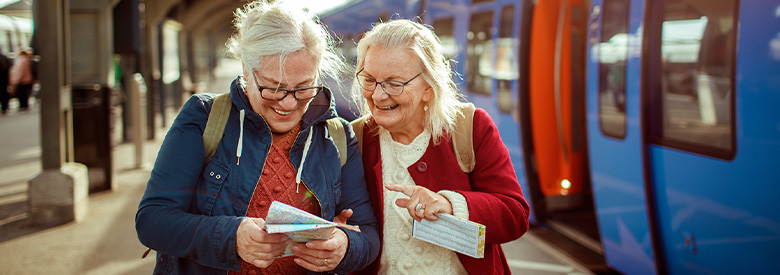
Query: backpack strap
(215, 126)
(357, 127)
(462, 137)
(336, 131)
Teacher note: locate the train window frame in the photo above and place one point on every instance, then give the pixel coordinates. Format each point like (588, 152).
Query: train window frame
(605, 80)
(476, 82)
(505, 81)
(444, 28)
(658, 93)
(478, 2)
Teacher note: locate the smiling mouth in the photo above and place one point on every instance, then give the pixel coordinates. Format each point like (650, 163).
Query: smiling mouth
(388, 108)
(282, 112)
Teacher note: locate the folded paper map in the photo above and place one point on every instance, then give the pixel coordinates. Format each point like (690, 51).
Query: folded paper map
(299, 225)
(453, 233)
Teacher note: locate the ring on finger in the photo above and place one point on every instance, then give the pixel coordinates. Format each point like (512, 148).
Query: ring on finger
(419, 207)
(325, 261)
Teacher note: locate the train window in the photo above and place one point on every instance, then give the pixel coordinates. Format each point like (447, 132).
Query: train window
(444, 30)
(698, 44)
(479, 53)
(506, 69)
(481, 1)
(384, 16)
(10, 40)
(348, 49)
(612, 54)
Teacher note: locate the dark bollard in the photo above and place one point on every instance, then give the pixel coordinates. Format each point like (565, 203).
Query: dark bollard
(92, 134)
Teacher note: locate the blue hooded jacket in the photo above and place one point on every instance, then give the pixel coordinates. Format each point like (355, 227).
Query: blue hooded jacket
(190, 213)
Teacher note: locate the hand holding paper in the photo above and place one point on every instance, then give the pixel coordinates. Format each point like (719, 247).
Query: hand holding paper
(256, 246)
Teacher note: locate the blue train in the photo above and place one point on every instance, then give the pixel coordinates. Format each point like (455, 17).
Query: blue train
(645, 134)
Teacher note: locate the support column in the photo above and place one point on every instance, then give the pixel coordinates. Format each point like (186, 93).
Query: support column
(58, 194)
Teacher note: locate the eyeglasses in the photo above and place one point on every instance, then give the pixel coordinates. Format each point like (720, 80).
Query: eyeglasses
(277, 94)
(391, 87)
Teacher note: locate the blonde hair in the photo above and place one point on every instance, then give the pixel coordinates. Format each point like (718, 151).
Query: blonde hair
(436, 70)
(266, 29)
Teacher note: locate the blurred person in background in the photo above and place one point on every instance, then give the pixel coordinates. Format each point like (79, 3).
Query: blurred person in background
(21, 77)
(5, 96)
(207, 218)
(404, 85)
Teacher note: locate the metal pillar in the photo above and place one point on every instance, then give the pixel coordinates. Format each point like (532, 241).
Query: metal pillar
(59, 193)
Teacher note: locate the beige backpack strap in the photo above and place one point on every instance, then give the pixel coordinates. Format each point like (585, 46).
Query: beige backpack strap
(215, 126)
(336, 131)
(357, 127)
(462, 138)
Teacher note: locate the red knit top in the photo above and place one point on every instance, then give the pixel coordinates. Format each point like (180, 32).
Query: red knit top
(278, 183)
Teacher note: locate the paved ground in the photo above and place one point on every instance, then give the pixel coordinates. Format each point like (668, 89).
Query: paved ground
(105, 242)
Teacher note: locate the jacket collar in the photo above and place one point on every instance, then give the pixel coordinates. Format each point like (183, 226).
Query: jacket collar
(321, 108)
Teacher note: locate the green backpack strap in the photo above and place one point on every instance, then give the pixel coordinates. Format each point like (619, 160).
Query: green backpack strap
(336, 131)
(215, 126)
(462, 138)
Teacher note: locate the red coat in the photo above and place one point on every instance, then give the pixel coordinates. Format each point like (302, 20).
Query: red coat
(493, 195)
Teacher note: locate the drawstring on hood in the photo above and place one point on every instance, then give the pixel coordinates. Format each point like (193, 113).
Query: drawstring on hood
(240, 145)
(303, 159)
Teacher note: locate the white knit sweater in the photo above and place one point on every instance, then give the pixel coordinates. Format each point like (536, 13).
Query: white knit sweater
(402, 254)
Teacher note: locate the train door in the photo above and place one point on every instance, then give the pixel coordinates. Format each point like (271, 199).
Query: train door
(615, 135)
(714, 134)
(556, 120)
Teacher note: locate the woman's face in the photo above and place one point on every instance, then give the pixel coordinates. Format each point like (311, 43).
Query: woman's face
(298, 71)
(404, 114)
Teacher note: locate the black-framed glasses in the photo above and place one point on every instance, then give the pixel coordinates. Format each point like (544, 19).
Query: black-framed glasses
(390, 87)
(277, 94)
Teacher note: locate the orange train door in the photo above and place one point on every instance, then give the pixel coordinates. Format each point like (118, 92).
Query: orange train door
(557, 100)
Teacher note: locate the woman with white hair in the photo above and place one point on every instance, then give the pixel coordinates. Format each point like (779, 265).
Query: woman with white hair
(204, 214)
(404, 85)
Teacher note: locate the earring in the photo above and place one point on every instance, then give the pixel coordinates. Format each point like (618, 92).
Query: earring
(425, 108)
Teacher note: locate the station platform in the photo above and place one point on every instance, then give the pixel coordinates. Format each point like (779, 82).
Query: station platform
(105, 242)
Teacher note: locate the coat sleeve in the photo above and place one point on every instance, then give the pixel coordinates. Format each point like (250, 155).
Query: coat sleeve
(364, 245)
(496, 199)
(163, 220)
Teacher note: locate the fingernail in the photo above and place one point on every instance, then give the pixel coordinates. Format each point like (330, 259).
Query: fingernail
(295, 248)
(310, 245)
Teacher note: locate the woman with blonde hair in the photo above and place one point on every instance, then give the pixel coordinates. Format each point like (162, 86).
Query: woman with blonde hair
(404, 84)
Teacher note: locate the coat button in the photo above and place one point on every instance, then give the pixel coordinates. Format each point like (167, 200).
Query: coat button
(422, 167)
(277, 189)
(289, 175)
(218, 176)
(263, 203)
(211, 173)
(408, 265)
(277, 160)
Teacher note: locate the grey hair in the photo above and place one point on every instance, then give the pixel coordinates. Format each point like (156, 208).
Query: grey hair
(436, 70)
(266, 29)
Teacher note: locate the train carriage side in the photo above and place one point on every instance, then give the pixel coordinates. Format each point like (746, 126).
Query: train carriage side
(684, 136)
